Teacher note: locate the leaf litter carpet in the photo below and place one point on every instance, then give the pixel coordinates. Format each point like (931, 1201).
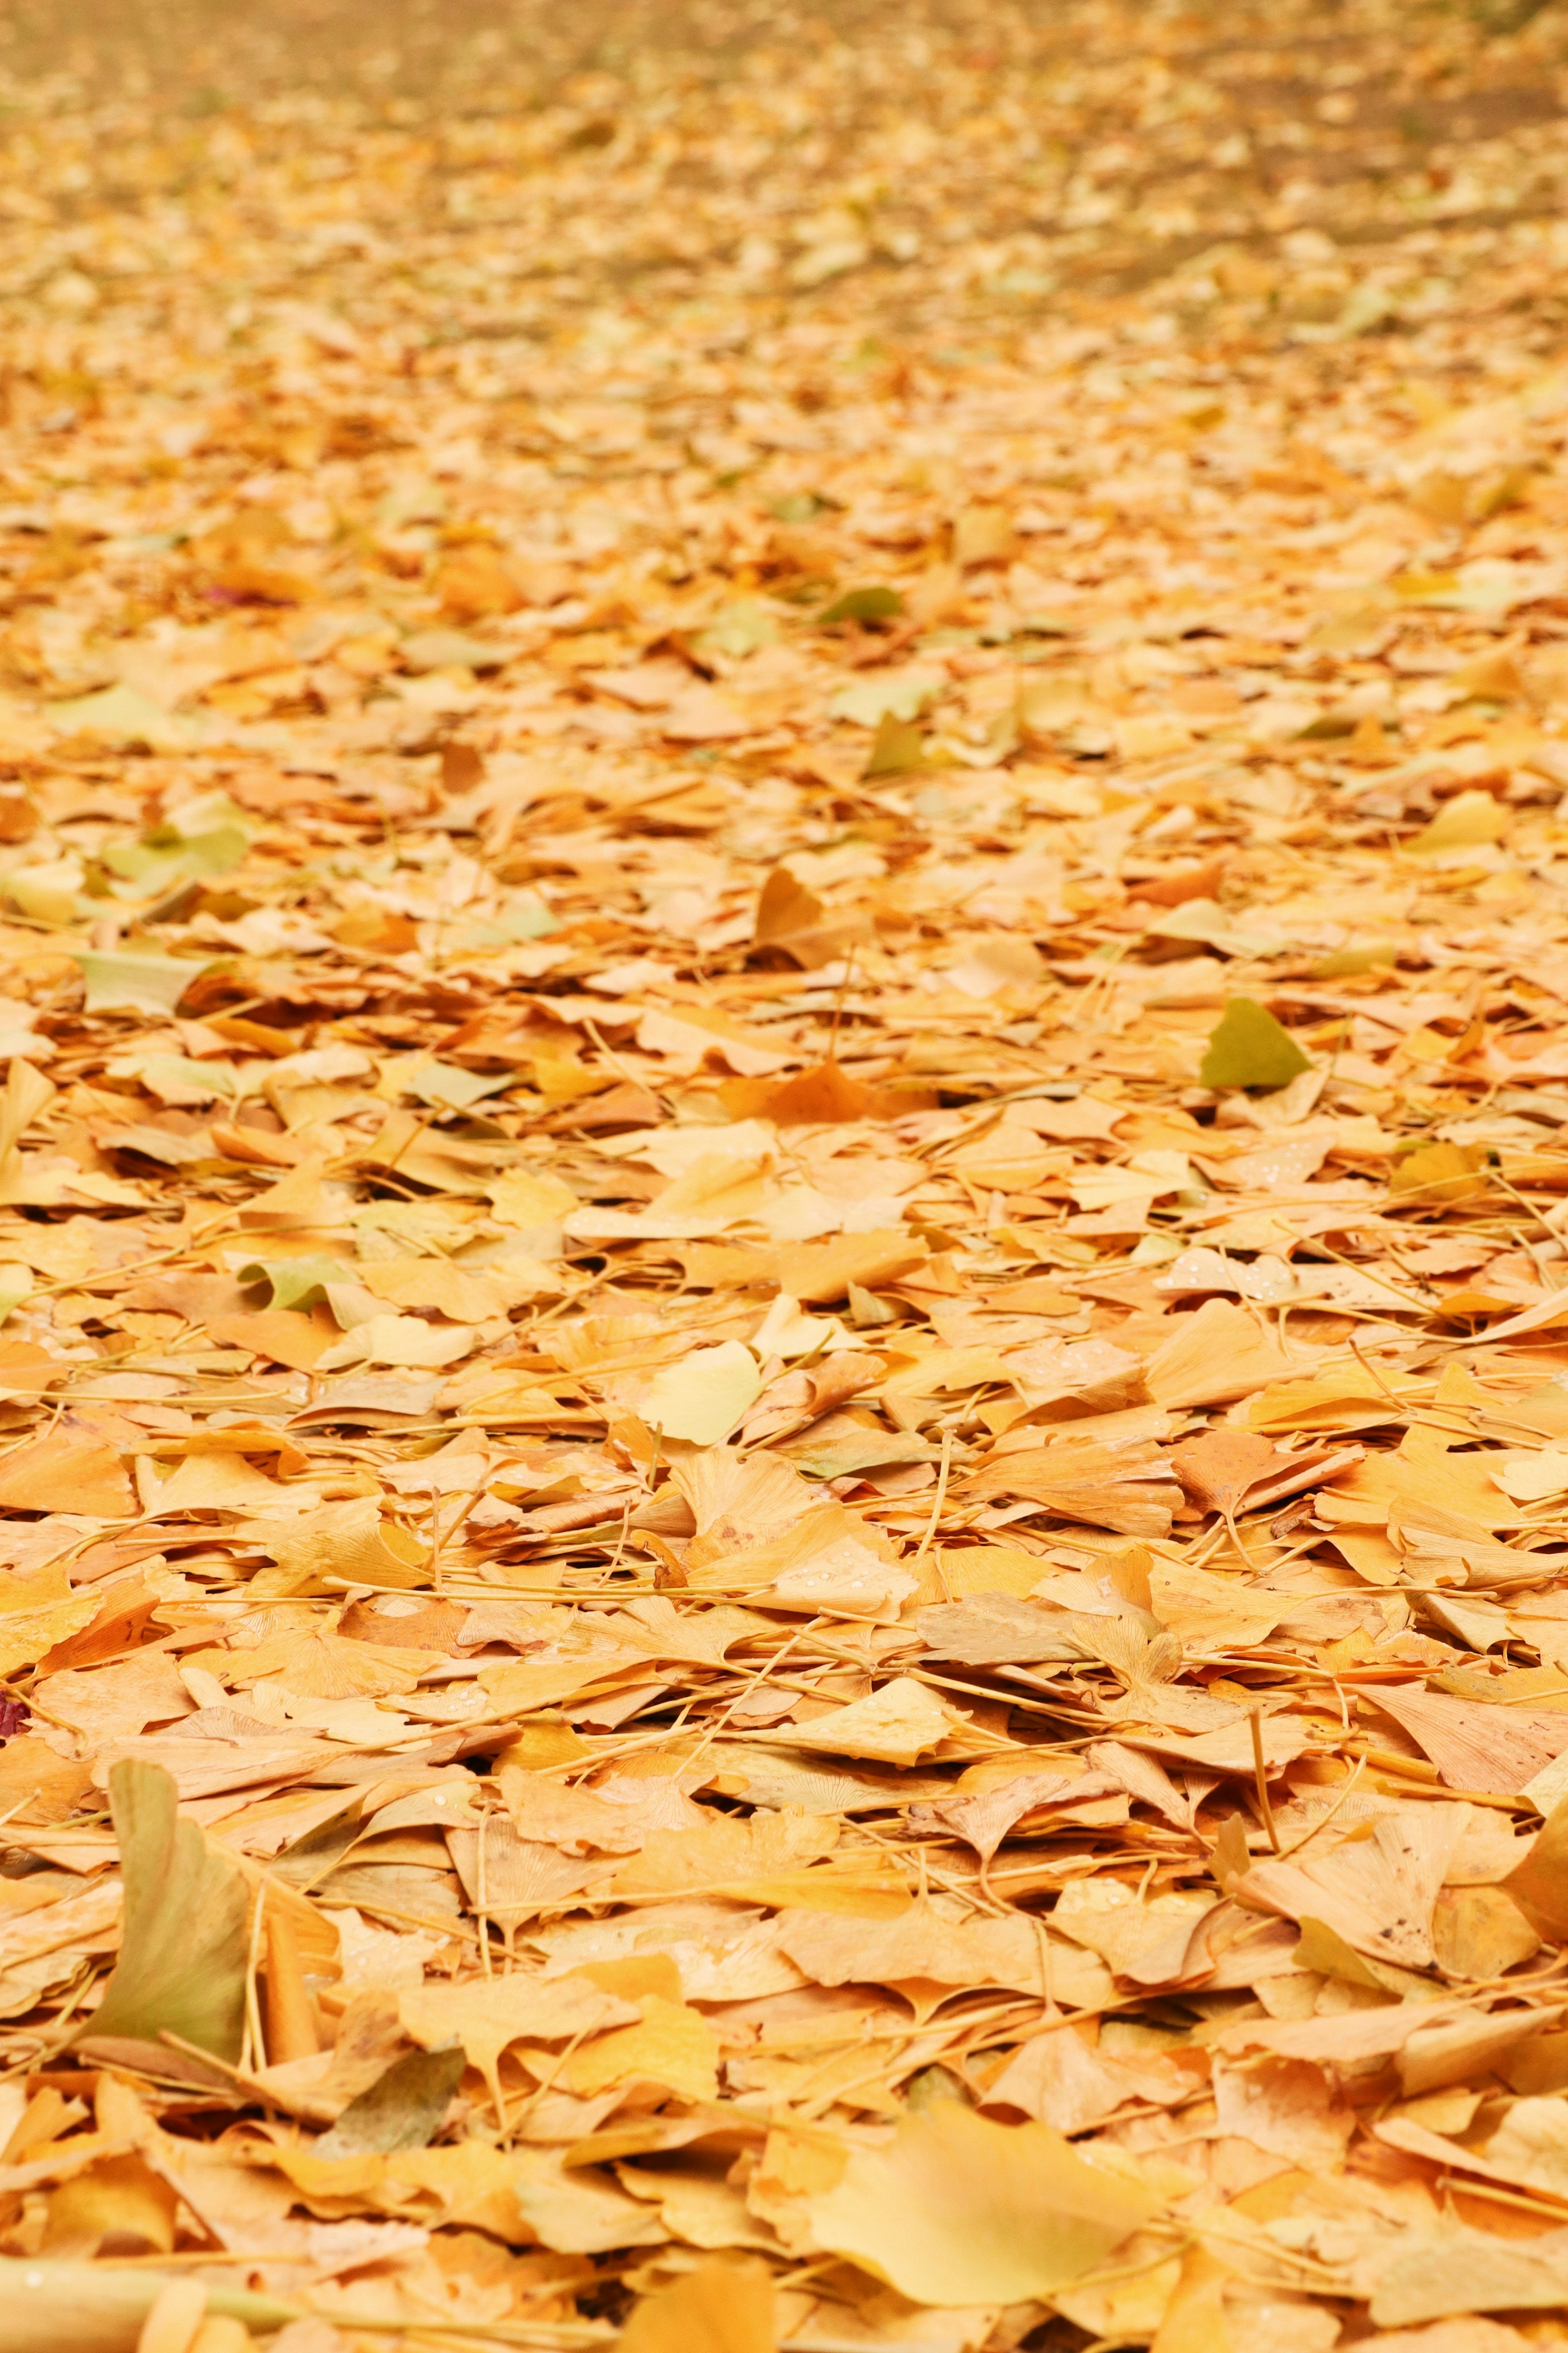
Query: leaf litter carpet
(783, 1400)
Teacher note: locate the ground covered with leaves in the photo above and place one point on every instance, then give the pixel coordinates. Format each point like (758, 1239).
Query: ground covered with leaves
(783, 1399)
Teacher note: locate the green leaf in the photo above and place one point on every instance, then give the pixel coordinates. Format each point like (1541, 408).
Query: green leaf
(739, 629)
(1468, 821)
(137, 983)
(120, 715)
(297, 1282)
(183, 1948)
(869, 700)
(157, 862)
(799, 506)
(528, 922)
(175, 1079)
(862, 1450)
(897, 748)
(703, 1395)
(1342, 963)
(447, 1086)
(404, 2109)
(1248, 1047)
(874, 603)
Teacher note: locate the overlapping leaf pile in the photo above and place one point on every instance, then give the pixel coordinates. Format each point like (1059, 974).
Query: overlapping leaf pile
(783, 1228)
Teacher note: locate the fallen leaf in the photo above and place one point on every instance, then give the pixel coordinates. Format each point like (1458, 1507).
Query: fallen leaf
(960, 2211)
(721, 2307)
(1215, 1471)
(701, 1399)
(67, 1472)
(785, 1014)
(487, 2016)
(404, 2109)
(182, 1954)
(1249, 1048)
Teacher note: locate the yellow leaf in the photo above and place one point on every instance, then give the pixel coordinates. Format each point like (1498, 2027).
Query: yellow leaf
(27, 1092)
(488, 2013)
(722, 2307)
(900, 1724)
(349, 1540)
(68, 1471)
(1539, 1884)
(960, 2211)
(319, 1664)
(27, 1635)
(1219, 1354)
(216, 1482)
(725, 1851)
(1194, 2319)
(402, 1340)
(1439, 1173)
(1464, 823)
(452, 1291)
(703, 1397)
(673, 2045)
(536, 1203)
(117, 2198)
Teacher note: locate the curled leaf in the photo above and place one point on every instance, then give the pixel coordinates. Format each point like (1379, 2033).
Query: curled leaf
(183, 1955)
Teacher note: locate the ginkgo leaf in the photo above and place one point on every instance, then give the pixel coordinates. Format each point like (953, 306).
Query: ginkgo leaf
(119, 982)
(898, 1724)
(1457, 2271)
(751, 1525)
(703, 1397)
(960, 2211)
(1539, 1883)
(1216, 1469)
(353, 1540)
(28, 1094)
(404, 1340)
(295, 1281)
(898, 748)
(27, 1635)
(404, 2109)
(722, 2307)
(1248, 1047)
(984, 1820)
(1463, 823)
(873, 603)
(67, 1471)
(725, 1853)
(183, 1953)
(786, 907)
(489, 2013)
(1218, 1354)
(1438, 1172)
(673, 2044)
(120, 715)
